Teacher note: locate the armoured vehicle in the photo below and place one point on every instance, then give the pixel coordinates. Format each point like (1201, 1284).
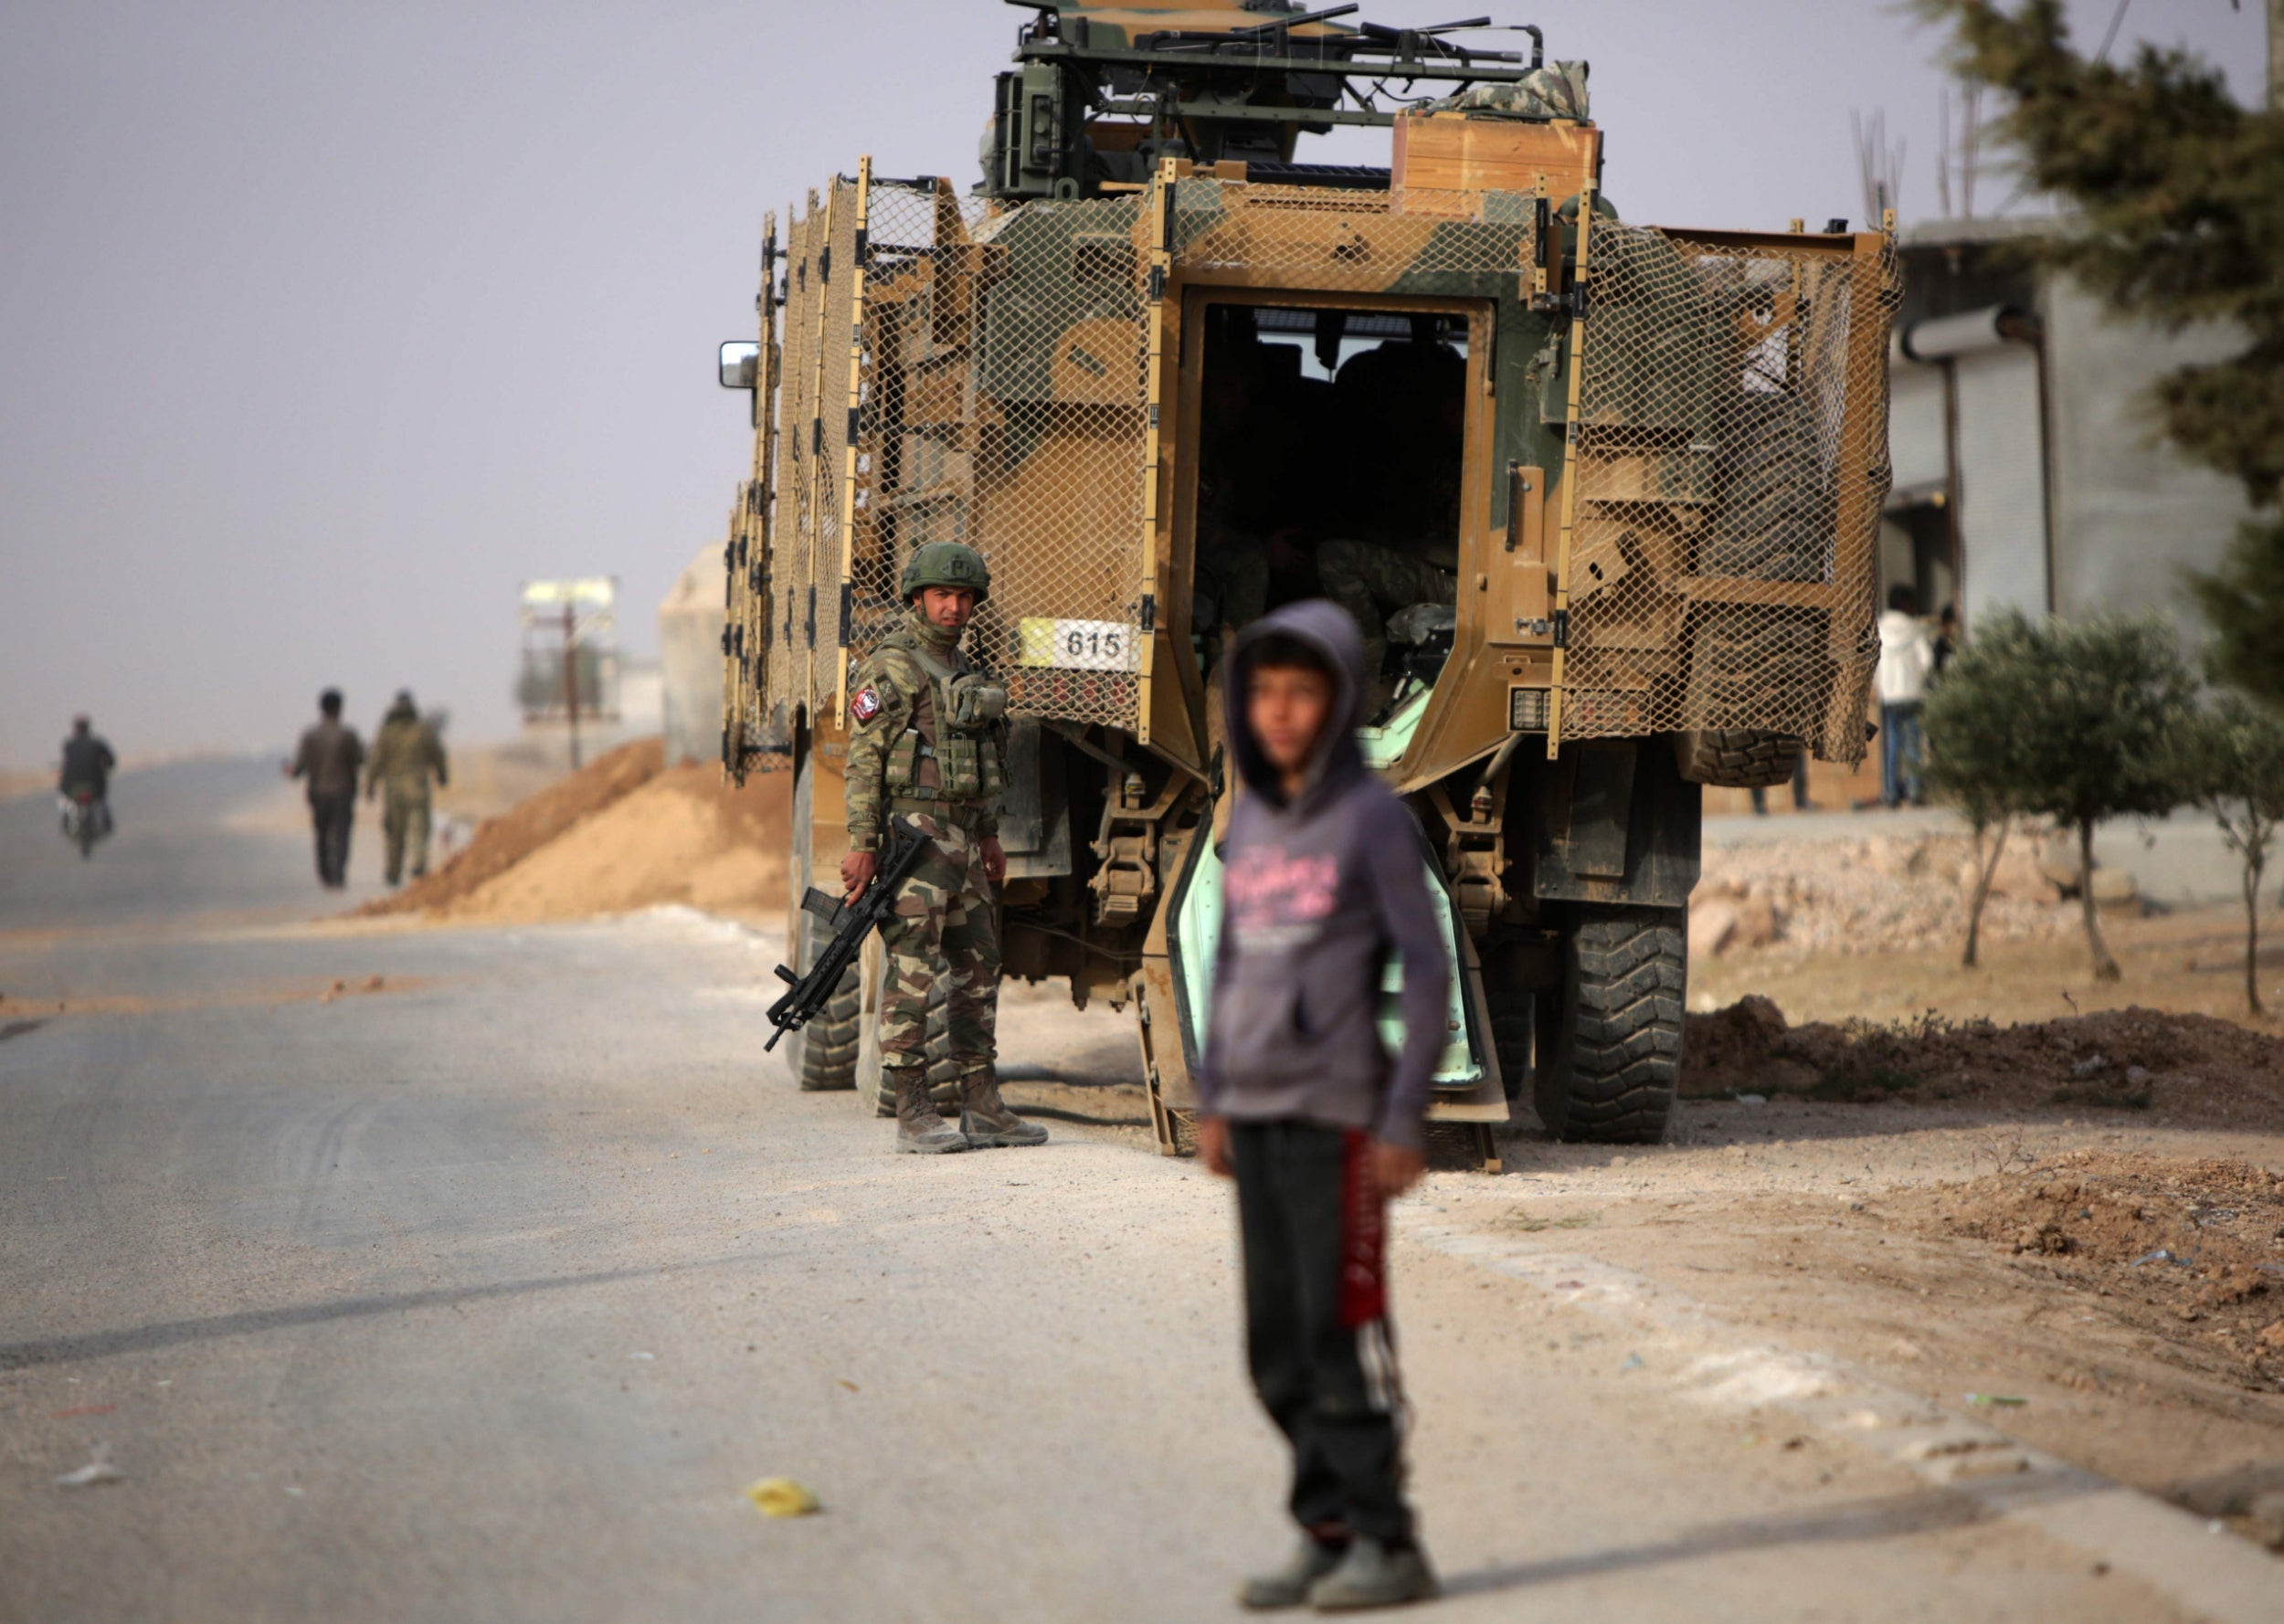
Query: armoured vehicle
(1604, 496)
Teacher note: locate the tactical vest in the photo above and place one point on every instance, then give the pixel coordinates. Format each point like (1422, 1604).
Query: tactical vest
(951, 750)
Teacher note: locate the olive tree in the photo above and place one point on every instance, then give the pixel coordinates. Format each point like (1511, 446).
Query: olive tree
(2075, 720)
(2229, 760)
(1975, 749)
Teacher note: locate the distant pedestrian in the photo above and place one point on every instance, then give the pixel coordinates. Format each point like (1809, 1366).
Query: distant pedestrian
(1906, 658)
(329, 758)
(1801, 803)
(405, 753)
(1298, 1099)
(87, 762)
(1946, 639)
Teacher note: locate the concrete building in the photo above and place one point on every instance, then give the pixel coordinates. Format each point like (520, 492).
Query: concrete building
(2028, 472)
(690, 659)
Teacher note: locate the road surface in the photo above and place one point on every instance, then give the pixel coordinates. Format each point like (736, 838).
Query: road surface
(473, 1273)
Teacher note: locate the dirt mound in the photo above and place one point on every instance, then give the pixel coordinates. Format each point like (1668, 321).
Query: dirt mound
(2199, 1242)
(500, 843)
(2186, 1067)
(683, 837)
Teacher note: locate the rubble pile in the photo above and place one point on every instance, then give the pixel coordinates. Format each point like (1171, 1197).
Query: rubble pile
(2198, 1243)
(2179, 1068)
(1885, 894)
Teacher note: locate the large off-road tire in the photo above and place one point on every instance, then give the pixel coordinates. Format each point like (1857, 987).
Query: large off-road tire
(1736, 758)
(823, 1054)
(1616, 1054)
(943, 1076)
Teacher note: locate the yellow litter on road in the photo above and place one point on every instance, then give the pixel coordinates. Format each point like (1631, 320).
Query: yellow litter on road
(782, 1497)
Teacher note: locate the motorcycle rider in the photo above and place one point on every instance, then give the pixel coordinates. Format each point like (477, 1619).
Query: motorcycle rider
(87, 762)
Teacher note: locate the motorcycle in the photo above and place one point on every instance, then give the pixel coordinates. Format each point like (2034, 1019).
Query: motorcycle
(86, 820)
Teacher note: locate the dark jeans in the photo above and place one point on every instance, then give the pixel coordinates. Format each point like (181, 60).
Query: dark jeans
(1317, 1337)
(333, 816)
(1899, 753)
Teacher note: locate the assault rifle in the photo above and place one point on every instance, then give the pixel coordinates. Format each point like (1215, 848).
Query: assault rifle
(849, 922)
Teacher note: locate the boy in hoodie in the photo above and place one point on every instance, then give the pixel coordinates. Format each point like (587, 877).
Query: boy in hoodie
(1302, 1104)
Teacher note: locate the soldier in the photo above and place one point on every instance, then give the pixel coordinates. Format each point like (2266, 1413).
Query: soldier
(1371, 581)
(927, 743)
(329, 758)
(404, 752)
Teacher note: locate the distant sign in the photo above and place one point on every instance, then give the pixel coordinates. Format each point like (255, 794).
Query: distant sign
(586, 592)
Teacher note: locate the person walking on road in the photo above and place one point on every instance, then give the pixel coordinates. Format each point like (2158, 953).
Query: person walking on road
(87, 762)
(1906, 658)
(1298, 1100)
(330, 757)
(927, 742)
(405, 753)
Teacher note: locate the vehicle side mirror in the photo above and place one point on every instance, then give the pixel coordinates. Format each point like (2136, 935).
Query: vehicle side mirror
(741, 363)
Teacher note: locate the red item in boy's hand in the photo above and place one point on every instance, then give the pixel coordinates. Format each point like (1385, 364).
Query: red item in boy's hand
(1364, 1232)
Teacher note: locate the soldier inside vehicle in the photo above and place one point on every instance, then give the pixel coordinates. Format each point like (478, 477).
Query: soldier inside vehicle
(1330, 451)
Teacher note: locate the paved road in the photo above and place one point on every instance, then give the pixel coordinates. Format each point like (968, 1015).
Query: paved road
(482, 1291)
(2179, 861)
(198, 836)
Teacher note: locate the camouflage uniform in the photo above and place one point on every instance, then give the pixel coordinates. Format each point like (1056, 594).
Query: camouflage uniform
(1365, 578)
(404, 752)
(928, 743)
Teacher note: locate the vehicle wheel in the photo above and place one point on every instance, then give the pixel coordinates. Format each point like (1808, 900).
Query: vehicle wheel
(1736, 758)
(1776, 513)
(823, 1055)
(1616, 1058)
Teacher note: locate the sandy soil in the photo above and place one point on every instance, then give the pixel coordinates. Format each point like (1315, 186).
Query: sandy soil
(683, 837)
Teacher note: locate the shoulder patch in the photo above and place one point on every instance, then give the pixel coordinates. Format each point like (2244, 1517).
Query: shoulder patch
(865, 705)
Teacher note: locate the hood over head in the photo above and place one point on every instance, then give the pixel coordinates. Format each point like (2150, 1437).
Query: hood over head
(1327, 629)
(403, 710)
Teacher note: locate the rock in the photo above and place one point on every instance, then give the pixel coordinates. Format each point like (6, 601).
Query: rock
(1758, 924)
(2058, 861)
(1895, 857)
(2019, 875)
(2115, 892)
(2273, 1337)
(2267, 1512)
(1712, 927)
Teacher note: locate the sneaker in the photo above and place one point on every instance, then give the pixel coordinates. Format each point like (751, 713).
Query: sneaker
(1372, 1576)
(1289, 1586)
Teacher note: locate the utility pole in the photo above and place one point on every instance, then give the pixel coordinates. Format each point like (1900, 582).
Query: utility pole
(572, 665)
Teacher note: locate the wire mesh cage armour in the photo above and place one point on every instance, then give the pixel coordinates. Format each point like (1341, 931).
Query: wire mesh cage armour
(1730, 465)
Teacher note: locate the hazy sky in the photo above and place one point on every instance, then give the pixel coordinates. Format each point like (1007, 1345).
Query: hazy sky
(323, 326)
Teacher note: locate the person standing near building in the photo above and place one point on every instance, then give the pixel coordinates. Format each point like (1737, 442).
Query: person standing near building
(1906, 658)
(1299, 1101)
(87, 762)
(405, 753)
(927, 742)
(330, 757)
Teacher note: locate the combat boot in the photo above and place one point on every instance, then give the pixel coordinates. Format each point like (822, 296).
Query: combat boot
(1374, 1576)
(984, 1117)
(920, 1132)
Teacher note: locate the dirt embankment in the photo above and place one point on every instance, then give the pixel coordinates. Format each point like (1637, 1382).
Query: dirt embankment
(2193, 1243)
(2189, 1069)
(626, 832)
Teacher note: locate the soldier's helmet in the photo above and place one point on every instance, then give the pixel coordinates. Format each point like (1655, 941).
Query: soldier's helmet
(946, 563)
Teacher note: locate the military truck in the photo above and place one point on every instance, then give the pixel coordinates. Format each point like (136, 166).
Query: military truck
(1605, 497)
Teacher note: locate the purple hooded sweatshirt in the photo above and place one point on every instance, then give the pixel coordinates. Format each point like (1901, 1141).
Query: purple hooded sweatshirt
(1317, 895)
